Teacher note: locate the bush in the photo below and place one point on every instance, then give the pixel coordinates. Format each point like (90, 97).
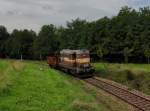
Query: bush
(130, 75)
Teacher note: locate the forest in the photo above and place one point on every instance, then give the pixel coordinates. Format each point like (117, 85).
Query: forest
(122, 38)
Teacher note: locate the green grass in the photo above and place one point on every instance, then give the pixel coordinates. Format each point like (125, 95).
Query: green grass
(29, 86)
(136, 76)
(25, 86)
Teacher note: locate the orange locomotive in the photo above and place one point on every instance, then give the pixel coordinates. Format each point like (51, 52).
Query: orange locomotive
(76, 62)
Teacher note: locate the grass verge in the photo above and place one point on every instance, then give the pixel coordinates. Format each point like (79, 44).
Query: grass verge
(26, 86)
(136, 76)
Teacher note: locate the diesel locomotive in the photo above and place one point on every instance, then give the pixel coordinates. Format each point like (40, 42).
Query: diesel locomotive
(75, 62)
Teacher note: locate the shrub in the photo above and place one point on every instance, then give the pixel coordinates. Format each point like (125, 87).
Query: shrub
(130, 75)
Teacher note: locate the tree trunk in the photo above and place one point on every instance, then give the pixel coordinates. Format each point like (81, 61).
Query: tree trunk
(40, 57)
(21, 57)
(148, 60)
(126, 59)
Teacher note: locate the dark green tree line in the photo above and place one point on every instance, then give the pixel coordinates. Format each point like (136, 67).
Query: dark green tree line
(122, 38)
(46, 42)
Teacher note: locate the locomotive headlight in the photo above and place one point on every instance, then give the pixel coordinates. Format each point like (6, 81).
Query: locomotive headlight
(85, 65)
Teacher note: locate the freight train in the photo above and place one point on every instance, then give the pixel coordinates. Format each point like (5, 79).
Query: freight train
(75, 62)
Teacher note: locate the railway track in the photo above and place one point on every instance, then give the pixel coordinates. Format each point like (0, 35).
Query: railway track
(140, 102)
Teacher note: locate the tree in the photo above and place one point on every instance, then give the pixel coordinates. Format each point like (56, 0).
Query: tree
(3, 38)
(147, 54)
(120, 38)
(20, 43)
(76, 34)
(46, 42)
(127, 52)
(101, 51)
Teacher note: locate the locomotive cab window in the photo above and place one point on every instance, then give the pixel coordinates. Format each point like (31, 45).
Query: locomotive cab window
(74, 56)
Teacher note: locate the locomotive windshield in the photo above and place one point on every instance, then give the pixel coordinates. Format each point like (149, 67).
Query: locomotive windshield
(83, 58)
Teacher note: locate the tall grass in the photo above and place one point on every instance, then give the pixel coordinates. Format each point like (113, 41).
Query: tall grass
(8, 73)
(25, 86)
(136, 76)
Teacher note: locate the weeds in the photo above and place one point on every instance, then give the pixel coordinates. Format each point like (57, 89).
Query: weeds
(82, 106)
(134, 76)
(24, 87)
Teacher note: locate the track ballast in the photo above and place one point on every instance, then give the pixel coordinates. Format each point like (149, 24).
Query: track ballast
(141, 103)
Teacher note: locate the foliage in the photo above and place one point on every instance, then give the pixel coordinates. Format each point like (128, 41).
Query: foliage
(3, 37)
(147, 54)
(136, 76)
(122, 38)
(101, 51)
(20, 43)
(126, 53)
(46, 42)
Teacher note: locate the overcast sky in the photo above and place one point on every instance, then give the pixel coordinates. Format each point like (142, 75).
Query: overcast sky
(32, 14)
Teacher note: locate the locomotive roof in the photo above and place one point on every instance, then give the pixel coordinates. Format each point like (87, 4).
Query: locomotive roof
(68, 51)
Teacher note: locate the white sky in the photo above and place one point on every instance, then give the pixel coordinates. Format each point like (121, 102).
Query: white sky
(32, 14)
